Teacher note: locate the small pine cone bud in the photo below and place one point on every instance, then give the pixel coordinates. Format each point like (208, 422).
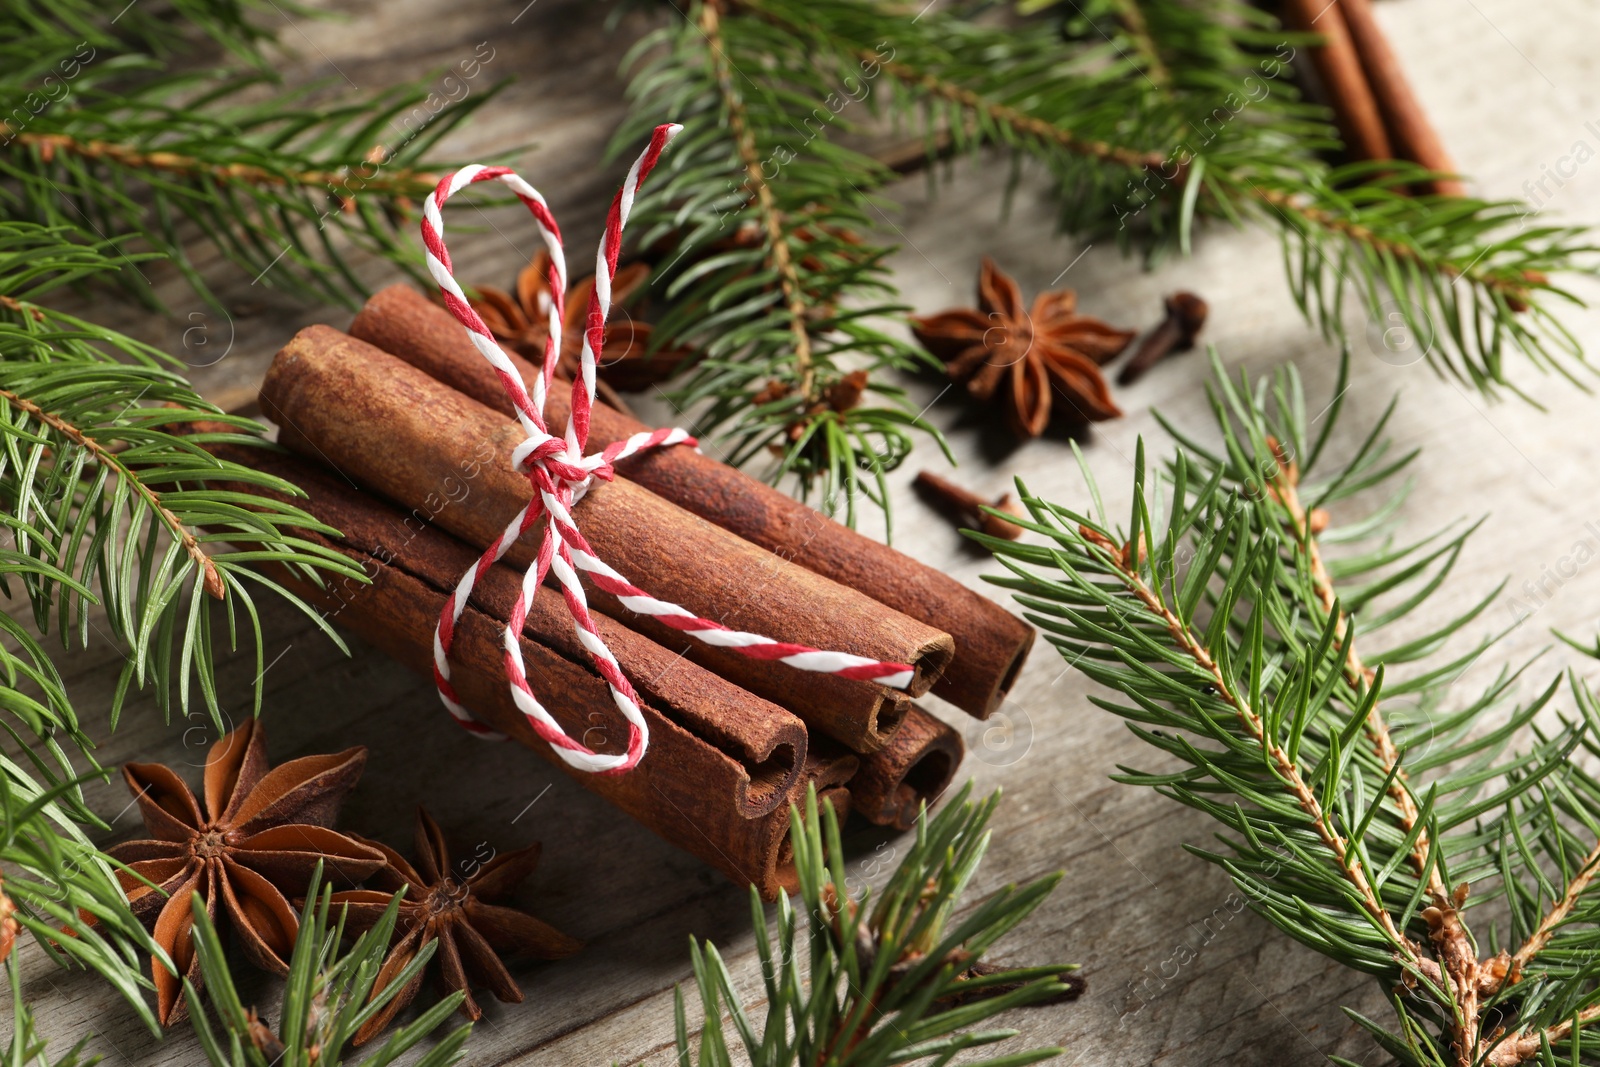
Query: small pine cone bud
(1493, 972)
(1128, 560)
(1517, 299)
(773, 390)
(829, 900)
(1099, 540)
(845, 393)
(262, 1037)
(9, 928)
(1289, 469)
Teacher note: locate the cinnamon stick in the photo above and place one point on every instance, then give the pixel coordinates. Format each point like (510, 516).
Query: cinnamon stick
(991, 644)
(767, 742)
(912, 769)
(681, 790)
(1412, 135)
(401, 434)
(1355, 109)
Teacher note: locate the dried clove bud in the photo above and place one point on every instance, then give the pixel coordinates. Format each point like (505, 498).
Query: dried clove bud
(968, 507)
(1186, 314)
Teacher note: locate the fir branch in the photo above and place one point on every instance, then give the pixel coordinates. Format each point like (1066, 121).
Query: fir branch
(758, 218)
(58, 887)
(766, 205)
(996, 113)
(1467, 279)
(325, 999)
(104, 523)
(233, 24)
(1146, 131)
(1119, 559)
(397, 183)
(270, 182)
(108, 500)
(1285, 491)
(104, 487)
(982, 85)
(894, 979)
(1217, 616)
(1556, 916)
(210, 577)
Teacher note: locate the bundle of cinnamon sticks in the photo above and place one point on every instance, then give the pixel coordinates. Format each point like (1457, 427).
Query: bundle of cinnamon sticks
(401, 434)
(1378, 114)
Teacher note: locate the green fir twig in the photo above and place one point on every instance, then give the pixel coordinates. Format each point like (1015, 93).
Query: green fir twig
(759, 215)
(1360, 815)
(105, 139)
(325, 998)
(894, 977)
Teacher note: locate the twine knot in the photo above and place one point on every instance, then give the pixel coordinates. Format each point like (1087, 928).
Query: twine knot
(552, 467)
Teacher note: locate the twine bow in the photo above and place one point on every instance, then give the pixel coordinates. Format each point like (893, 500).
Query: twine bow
(560, 474)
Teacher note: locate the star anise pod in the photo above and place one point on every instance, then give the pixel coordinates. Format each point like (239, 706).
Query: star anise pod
(459, 910)
(522, 322)
(1024, 356)
(255, 842)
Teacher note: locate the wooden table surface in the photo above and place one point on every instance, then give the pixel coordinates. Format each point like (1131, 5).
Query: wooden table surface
(1177, 973)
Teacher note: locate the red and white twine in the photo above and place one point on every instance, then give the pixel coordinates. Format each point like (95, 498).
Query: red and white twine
(560, 474)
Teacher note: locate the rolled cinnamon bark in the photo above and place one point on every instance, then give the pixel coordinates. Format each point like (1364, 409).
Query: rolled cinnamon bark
(1355, 110)
(829, 767)
(1410, 131)
(399, 433)
(914, 767)
(767, 840)
(769, 743)
(764, 845)
(762, 849)
(992, 644)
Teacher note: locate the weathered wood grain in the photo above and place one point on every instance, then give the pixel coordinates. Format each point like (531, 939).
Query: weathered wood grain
(1177, 975)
